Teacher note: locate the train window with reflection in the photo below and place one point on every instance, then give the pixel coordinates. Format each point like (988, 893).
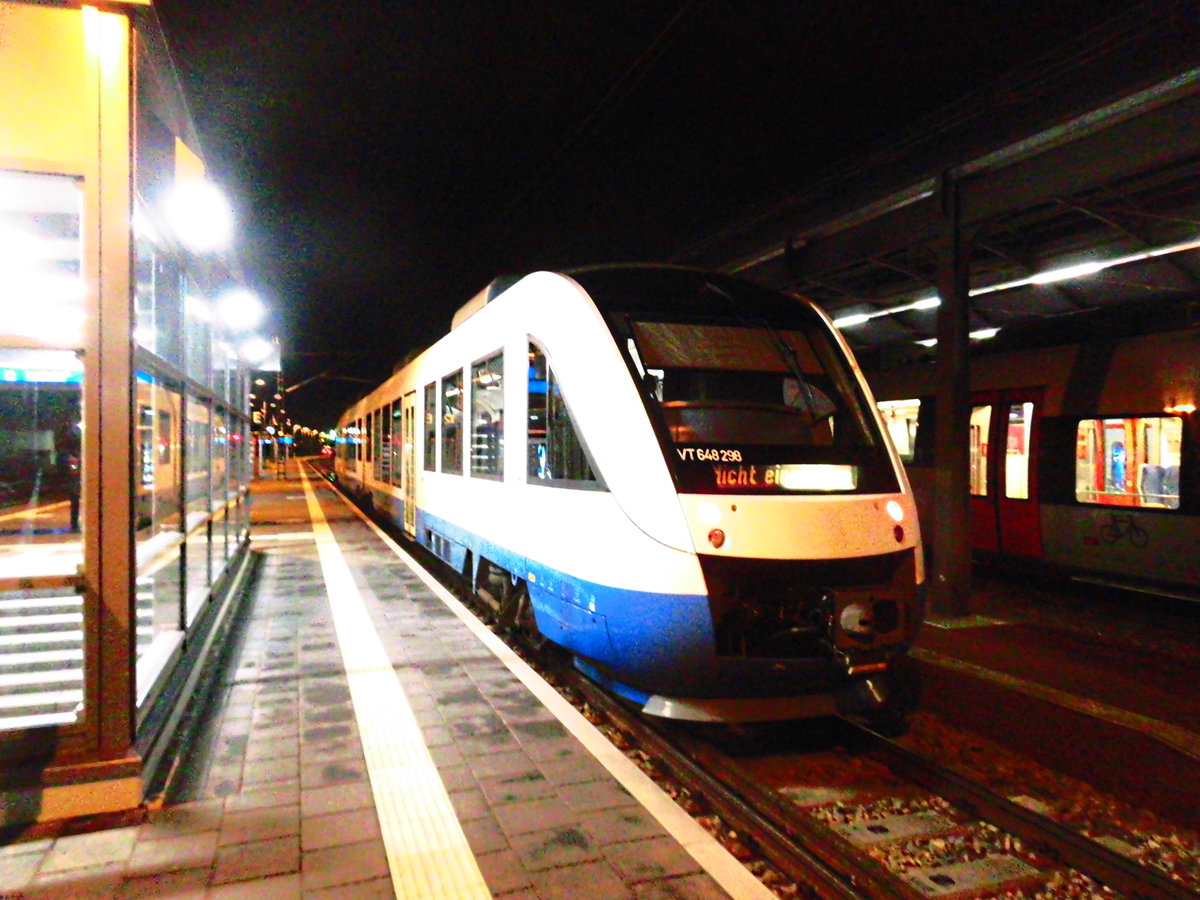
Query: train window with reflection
(431, 431)
(981, 423)
(1131, 461)
(556, 454)
(452, 415)
(487, 417)
(901, 419)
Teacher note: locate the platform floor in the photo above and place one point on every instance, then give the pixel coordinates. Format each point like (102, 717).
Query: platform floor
(370, 739)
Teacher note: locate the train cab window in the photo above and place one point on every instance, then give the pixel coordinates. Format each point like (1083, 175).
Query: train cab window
(981, 423)
(487, 417)
(901, 418)
(431, 429)
(1016, 458)
(452, 414)
(1131, 461)
(556, 455)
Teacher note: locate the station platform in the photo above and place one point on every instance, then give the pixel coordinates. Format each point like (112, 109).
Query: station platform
(369, 738)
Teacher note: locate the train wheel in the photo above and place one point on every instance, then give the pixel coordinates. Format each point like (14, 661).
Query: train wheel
(525, 620)
(493, 587)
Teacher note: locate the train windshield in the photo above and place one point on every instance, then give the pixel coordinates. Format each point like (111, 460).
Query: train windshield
(748, 407)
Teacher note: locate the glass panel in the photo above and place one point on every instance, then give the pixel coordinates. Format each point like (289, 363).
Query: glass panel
(40, 283)
(1129, 461)
(452, 413)
(198, 500)
(157, 304)
(397, 444)
(901, 419)
(372, 431)
(1016, 459)
(41, 450)
(487, 417)
(431, 427)
(556, 455)
(198, 328)
(981, 420)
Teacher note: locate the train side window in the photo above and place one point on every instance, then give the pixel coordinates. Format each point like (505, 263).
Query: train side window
(383, 440)
(556, 454)
(370, 441)
(1129, 461)
(981, 423)
(901, 418)
(358, 432)
(452, 413)
(431, 430)
(487, 417)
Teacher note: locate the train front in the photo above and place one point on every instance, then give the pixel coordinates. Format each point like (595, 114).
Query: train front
(804, 529)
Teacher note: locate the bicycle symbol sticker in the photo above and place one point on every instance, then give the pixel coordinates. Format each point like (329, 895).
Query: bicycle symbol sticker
(1118, 527)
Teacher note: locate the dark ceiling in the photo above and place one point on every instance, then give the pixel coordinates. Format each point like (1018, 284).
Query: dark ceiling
(1091, 158)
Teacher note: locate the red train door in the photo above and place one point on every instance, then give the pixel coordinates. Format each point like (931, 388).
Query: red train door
(1003, 482)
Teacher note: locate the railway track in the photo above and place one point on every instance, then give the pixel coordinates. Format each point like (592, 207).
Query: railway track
(942, 836)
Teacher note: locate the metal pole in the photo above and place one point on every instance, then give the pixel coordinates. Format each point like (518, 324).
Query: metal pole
(950, 576)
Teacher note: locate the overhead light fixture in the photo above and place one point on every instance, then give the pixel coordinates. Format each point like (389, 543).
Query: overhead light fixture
(200, 215)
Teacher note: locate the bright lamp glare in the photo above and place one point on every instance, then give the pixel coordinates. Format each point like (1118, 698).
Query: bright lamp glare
(200, 216)
(1089, 268)
(851, 321)
(240, 309)
(813, 477)
(928, 303)
(255, 350)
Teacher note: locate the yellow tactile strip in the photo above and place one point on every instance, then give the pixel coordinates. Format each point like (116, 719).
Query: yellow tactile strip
(427, 852)
(719, 863)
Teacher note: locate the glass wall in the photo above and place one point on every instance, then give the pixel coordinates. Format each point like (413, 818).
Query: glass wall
(42, 418)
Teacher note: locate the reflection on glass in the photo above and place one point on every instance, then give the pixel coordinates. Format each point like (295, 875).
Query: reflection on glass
(1016, 460)
(981, 422)
(42, 317)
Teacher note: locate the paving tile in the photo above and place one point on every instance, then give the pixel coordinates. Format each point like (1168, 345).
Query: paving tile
(469, 804)
(271, 771)
(567, 846)
(96, 849)
(595, 881)
(92, 883)
(173, 854)
(651, 859)
(284, 793)
(486, 765)
(261, 859)
(573, 770)
(333, 772)
(18, 871)
(484, 835)
(279, 887)
(689, 887)
(590, 795)
(260, 824)
(345, 864)
(625, 823)
(517, 787)
(534, 815)
(335, 798)
(375, 889)
(319, 832)
(186, 885)
(502, 872)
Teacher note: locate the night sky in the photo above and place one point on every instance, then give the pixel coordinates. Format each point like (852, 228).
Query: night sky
(388, 159)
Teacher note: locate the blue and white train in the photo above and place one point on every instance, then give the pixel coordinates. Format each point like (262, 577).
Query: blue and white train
(679, 477)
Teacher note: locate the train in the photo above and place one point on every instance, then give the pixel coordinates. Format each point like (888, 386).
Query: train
(1083, 455)
(679, 477)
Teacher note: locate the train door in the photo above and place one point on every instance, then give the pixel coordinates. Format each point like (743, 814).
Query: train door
(1003, 483)
(409, 463)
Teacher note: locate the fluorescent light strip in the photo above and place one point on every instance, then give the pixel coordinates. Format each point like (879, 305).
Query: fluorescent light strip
(1079, 270)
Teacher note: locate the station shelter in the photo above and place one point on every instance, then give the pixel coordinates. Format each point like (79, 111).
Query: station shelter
(124, 465)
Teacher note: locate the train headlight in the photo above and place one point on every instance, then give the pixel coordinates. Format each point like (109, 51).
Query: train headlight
(855, 619)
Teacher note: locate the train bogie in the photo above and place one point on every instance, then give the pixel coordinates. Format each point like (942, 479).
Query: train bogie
(679, 478)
